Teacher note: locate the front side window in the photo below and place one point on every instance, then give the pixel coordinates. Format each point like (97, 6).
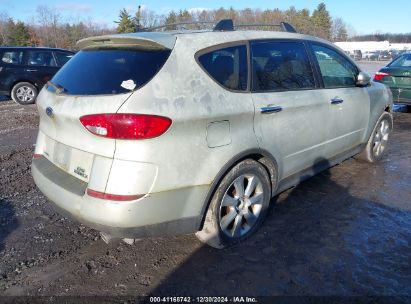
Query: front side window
(41, 58)
(279, 66)
(13, 57)
(227, 66)
(335, 69)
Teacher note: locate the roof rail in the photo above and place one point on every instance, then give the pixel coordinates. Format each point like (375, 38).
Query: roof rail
(221, 26)
(174, 26)
(286, 27)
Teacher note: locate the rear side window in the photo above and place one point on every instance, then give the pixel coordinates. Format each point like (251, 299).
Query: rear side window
(403, 61)
(41, 58)
(12, 57)
(279, 66)
(227, 66)
(112, 71)
(63, 57)
(336, 70)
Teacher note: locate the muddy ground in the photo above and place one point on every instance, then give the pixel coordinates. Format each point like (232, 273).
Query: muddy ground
(344, 232)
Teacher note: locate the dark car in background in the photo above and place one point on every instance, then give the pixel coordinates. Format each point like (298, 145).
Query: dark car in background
(25, 70)
(384, 55)
(397, 75)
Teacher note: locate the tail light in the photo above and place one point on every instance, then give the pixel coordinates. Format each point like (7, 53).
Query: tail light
(126, 126)
(380, 75)
(113, 197)
(37, 156)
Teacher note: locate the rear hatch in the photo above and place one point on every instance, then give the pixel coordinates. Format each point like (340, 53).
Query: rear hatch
(97, 80)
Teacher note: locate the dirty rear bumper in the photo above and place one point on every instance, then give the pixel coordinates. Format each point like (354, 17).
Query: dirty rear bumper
(153, 215)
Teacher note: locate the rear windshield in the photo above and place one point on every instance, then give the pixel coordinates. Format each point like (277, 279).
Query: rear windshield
(403, 61)
(113, 71)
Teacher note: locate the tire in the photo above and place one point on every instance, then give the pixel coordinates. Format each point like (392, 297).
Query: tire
(24, 93)
(233, 217)
(378, 142)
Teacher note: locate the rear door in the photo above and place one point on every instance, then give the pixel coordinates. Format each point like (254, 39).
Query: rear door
(291, 121)
(40, 65)
(349, 104)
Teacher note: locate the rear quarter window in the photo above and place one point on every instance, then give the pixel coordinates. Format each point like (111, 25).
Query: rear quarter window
(227, 66)
(12, 57)
(108, 71)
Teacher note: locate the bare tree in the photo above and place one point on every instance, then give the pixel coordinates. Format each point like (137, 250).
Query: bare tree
(48, 31)
(339, 30)
(4, 19)
(149, 18)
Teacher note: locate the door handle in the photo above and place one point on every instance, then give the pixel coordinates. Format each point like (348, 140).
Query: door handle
(270, 109)
(30, 70)
(337, 100)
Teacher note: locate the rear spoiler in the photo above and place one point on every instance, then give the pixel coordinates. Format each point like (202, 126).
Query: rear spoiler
(142, 41)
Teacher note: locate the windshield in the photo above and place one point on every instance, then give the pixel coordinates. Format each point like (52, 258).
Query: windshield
(112, 71)
(403, 61)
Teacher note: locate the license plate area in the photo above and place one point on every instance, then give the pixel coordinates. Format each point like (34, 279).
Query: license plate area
(62, 156)
(76, 162)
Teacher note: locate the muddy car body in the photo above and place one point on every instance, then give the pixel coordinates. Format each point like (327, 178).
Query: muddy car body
(228, 130)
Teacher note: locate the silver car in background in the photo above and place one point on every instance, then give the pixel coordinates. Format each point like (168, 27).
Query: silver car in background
(165, 133)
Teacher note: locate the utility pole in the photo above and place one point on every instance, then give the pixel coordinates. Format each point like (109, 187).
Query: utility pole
(138, 18)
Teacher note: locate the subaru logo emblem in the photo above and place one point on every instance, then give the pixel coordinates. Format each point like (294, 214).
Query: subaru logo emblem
(49, 111)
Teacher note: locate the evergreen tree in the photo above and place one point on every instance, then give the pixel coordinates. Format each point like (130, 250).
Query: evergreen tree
(184, 16)
(171, 19)
(125, 24)
(20, 34)
(322, 21)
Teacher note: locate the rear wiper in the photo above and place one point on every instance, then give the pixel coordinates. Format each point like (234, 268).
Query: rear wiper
(58, 89)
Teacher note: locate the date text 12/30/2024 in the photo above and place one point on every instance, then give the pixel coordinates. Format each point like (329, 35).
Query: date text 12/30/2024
(203, 300)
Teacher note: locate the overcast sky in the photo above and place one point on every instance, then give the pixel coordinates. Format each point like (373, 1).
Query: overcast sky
(366, 16)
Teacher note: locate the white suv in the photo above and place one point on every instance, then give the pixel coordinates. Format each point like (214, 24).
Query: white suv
(160, 133)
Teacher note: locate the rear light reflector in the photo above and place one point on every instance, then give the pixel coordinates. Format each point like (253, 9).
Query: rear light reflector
(380, 75)
(126, 126)
(113, 197)
(37, 156)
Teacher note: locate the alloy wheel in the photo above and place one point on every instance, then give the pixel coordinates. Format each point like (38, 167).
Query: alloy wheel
(25, 94)
(241, 206)
(381, 138)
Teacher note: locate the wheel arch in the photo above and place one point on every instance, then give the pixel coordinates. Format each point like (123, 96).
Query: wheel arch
(262, 156)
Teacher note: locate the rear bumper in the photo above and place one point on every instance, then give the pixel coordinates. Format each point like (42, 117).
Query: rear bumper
(402, 101)
(164, 213)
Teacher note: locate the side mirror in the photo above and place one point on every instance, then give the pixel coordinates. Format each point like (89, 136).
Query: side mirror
(363, 79)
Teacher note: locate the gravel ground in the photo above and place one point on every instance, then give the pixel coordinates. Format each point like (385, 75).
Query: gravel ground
(345, 232)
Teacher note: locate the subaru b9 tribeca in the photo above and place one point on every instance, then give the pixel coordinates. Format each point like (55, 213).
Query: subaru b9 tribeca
(164, 133)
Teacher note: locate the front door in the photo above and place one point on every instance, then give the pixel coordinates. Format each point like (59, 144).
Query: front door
(349, 104)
